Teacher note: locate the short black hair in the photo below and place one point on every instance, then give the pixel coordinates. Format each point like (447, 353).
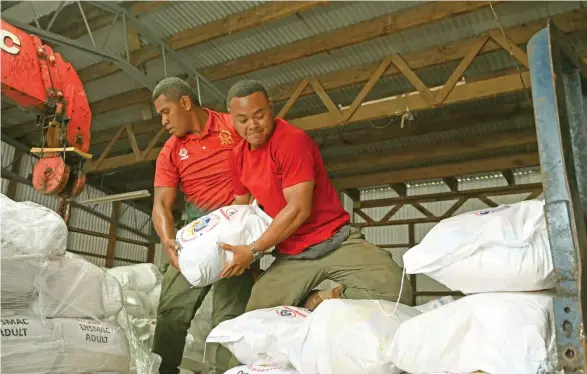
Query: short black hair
(245, 88)
(175, 88)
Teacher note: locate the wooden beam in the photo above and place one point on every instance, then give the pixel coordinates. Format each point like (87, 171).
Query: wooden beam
(400, 188)
(381, 108)
(242, 21)
(106, 236)
(353, 193)
(95, 255)
(396, 105)
(112, 234)
(453, 184)
(437, 55)
(567, 22)
(468, 146)
(447, 196)
(438, 171)
(15, 168)
(490, 203)
(509, 177)
(151, 253)
(394, 23)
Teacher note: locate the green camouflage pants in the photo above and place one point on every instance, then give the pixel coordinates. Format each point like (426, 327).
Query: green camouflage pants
(178, 304)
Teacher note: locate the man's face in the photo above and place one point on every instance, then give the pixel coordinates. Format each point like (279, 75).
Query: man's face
(252, 118)
(174, 115)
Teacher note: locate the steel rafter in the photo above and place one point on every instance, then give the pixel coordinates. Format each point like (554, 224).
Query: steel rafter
(156, 40)
(51, 37)
(559, 82)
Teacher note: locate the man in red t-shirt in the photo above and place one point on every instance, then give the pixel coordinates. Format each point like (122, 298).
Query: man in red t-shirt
(195, 158)
(282, 168)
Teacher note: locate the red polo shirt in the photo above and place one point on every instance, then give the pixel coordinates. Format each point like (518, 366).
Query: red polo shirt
(199, 163)
(289, 157)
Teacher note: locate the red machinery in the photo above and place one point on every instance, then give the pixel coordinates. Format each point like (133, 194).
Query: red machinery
(38, 80)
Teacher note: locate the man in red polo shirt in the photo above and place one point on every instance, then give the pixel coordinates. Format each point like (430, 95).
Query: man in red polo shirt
(195, 159)
(282, 168)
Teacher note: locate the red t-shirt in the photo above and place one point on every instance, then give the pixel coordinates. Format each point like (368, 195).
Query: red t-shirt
(199, 163)
(289, 157)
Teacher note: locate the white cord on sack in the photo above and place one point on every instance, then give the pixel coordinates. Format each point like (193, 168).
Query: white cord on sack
(401, 288)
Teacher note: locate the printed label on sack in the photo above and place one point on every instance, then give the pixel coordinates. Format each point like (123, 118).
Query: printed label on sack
(485, 212)
(289, 312)
(199, 227)
(94, 332)
(15, 327)
(228, 212)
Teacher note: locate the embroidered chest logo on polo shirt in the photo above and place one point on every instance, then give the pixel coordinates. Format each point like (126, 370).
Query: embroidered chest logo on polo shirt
(225, 137)
(183, 154)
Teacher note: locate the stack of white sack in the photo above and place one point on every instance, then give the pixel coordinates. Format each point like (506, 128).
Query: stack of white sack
(258, 369)
(260, 337)
(348, 337)
(339, 337)
(141, 288)
(501, 256)
(498, 332)
(37, 272)
(499, 249)
(200, 258)
(57, 303)
(32, 344)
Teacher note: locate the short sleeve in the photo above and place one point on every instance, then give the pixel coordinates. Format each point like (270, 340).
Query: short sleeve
(166, 173)
(295, 159)
(239, 187)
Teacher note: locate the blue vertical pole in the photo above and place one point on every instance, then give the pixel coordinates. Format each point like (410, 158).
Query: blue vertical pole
(562, 144)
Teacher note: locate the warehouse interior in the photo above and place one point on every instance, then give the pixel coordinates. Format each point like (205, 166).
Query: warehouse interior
(421, 110)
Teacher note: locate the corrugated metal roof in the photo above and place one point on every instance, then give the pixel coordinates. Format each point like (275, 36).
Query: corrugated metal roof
(23, 12)
(117, 117)
(112, 85)
(438, 33)
(182, 15)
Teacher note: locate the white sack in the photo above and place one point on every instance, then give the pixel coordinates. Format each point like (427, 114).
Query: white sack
(348, 337)
(493, 332)
(433, 304)
(29, 234)
(32, 345)
(73, 287)
(19, 276)
(138, 277)
(258, 337)
(252, 369)
(28, 345)
(137, 304)
(30, 229)
(499, 249)
(201, 260)
(89, 345)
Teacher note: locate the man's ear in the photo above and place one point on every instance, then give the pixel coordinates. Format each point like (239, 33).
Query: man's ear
(185, 102)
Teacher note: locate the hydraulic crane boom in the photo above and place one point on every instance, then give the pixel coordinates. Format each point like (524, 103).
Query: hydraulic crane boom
(38, 80)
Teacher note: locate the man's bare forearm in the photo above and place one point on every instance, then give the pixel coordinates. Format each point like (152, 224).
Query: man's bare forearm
(284, 225)
(163, 223)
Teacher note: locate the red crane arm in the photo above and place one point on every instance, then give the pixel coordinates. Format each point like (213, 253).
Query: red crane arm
(39, 80)
(36, 79)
